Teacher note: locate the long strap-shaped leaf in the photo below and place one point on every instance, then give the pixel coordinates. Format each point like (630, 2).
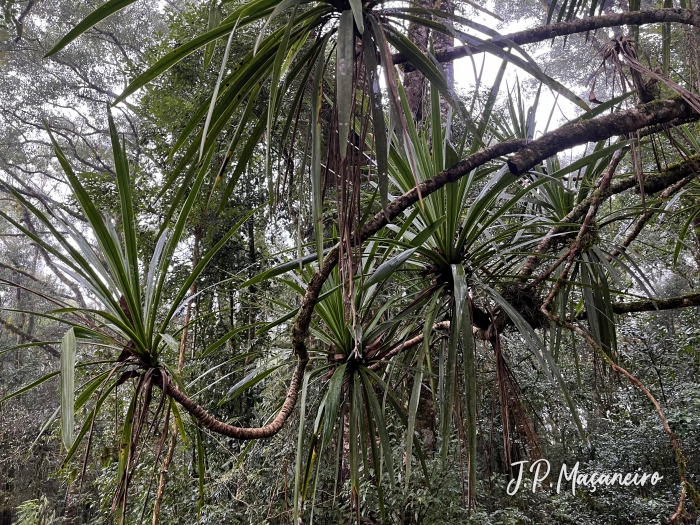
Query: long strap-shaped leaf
(99, 14)
(110, 248)
(247, 14)
(344, 69)
(423, 353)
(316, 185)
(68, 350)
(128, 217)
(381, 146)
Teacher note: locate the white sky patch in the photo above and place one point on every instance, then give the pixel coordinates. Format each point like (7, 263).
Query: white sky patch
(465, 79)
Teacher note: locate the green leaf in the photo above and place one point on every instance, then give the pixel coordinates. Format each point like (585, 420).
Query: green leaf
(68, 350)
(240, 17)
(171, 342)
(424, 65)
(178, 422)
(460, 293)
(93, 277)
(252, 379)
(244, 158)
(226, 337)
(602, 108)
(28, 345)
(391, 398)
(488, 108)
(282, 51)
(109, 248)
(278, 10)
(682, 234)
(213, 23)
(378, 415)
(438, 155)
(528, 64)
(418, 383)
(428, 232)
(99, 14)
(128, 219)
(215, 93)
(201, 471)
(201, 265)
(300, 443)
(280, 269)
(125, 442)
(316, 186)
(30, 386)
(345, 69)
(91, 388)
(588, 161)
(355, 415)
(332, 402)
(468, 348)
(381, 145)
(88, 423)
(389, 267)
(544, 357)
(356, 6)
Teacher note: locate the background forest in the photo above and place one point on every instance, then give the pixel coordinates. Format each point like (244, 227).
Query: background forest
(293, 261)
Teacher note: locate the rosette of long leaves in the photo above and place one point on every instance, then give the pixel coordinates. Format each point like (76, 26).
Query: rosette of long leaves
(355, 375)
(129, 312)
(465, 240)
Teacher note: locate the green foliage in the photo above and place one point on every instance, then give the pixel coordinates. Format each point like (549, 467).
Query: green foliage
(427, 366)
(36, 512)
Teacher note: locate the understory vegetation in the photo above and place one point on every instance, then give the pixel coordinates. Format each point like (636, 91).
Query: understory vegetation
(345, 261)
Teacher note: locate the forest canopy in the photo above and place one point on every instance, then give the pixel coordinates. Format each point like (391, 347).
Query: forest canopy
(329, 261)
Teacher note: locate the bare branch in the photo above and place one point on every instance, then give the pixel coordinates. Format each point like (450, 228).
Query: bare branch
(542, 33)
(29, 338)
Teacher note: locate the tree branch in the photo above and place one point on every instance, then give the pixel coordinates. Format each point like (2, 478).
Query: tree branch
(27, 337)
(594, 130)
(570, 135)
(683, 301)
(653, 183)
(542, 33)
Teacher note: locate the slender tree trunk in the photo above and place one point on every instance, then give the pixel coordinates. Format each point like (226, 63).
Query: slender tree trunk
(252, 289)
(160, 492)
(442, 42)
(69, 511)
(413, 81)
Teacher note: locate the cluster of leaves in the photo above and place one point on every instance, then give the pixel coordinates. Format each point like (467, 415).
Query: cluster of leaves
(390, 379)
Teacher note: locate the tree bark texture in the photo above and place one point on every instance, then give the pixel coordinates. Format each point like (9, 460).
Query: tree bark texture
(413, 81)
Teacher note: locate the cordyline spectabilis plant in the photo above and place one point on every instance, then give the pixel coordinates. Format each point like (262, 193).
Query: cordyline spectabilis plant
(475, 218)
